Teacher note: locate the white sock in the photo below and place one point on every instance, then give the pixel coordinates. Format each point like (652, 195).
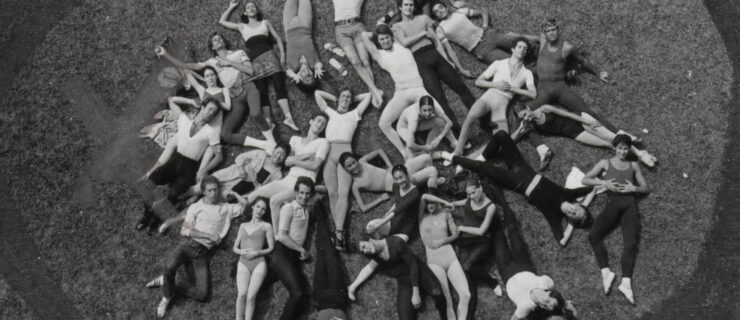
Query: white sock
(542, 150)
(480, 157)
(252, 142)
(627, 282)
(605, 272)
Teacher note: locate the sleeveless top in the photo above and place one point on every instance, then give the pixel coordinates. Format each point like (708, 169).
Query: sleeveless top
(551, 65)
(400, 64)
(619, 176)
(561, 126)
(254, 241)
(256, 40)
(433, 227)
(474, 218)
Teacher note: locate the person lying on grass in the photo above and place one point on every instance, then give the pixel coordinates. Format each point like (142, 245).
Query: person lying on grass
(554, 201)
(367, 177)
(308, 156)
(205, 223)
(582, 128)
(251, 269)
(426, 121)
(259, 35)
(251, 170)
(303, 64)
(186, 160)
(329, 286)
(624, 181)
(236, 72)
(409, 87)
(340, 128)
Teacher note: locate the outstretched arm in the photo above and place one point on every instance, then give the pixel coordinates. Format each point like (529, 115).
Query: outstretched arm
(160, 51)
(364, 274)
(369, 45)
(278, 40)
(361, 203)
(225, 16)
(570, 50)
(321, 97)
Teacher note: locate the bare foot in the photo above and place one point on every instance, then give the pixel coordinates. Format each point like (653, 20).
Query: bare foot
(377, 98)
(290, 123)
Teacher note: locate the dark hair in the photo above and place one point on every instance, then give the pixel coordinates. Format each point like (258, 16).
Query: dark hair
(209, 100)
(209, 179)
(400, 3)
(346, 155)
(519, 107)
(265, 217)
(320, 114)
(622, 139)
(401, 168)
(308, 88)
(426, 101)
(522, 39)
(245, 18)
(306, 181)
(381, 29)
(286, 147)
(218, 80)
(473, 181)
(558, 310)
(227, 45)
(586, 221)
(551, 22)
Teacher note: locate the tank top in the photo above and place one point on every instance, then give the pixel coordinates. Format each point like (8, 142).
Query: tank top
(433, 227)
(551, 65)
(619, 176)
(474, 218)
(254, 241)
(400, 64)
(248, 32)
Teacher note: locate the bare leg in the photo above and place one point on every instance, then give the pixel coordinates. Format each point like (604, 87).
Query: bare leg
(358, 57)
(285, 108)
(290, 11)
(305, 12)
(344, 180)
(442, 277)
(478, 110)
(258, 276)
(242, 284)
(457, 277)
(392, 111)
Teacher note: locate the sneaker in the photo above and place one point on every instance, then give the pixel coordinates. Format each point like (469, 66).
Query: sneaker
(545, 160)
(156, 282)
(333, 48)
(162, 307)
(339, 242)
(142, 223)
(498, 291)
(626, 290)
(334, 63)
(608, 279)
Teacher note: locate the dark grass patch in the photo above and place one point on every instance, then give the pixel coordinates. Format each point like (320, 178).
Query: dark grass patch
(647, 46)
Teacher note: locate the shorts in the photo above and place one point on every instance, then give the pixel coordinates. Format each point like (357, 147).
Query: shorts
(349, 34)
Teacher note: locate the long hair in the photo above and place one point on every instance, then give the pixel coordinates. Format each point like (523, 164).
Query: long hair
(227, 45)
(218, 80)
(245, 19)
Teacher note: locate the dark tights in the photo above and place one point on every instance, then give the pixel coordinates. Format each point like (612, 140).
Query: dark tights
(428, 283)
(278, 84)
(558, 92)
(472, 258)
(285, 263)
(622, 210)
(245, 104)
(512, 254)
(329, 290)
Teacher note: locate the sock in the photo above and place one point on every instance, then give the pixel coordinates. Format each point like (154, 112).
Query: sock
(542, 150)
(480, 157)
(252, 142)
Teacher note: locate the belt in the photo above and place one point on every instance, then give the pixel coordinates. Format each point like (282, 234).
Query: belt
(532, 184)
(347, 21)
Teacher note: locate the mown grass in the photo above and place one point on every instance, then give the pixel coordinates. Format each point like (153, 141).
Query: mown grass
(647, 46)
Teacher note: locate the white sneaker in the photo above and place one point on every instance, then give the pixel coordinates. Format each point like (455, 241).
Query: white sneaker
(156, 282)
(626, 290)
(162, 307)
(338, 66)
(608, 279)
(333, 48)
(498, 291)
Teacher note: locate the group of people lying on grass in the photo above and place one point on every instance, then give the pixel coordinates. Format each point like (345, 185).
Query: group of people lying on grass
(276, 182)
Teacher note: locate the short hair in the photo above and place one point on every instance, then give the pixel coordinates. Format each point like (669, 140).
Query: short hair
(209, 100)
(399, 168)
(227, 45)
(245, 19)
(426, 101)
(622, 139)
(218, 80)
(344, 88)
(306, 181)
(381, 29)
(400, 3)
(320, 114)
(346, 155)
(209, 179)
(551, 22)
(286, 147)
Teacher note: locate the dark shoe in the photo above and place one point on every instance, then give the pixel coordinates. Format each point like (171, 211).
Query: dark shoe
(545, 161)
(153, 227)
(142, 223)
(339, 240)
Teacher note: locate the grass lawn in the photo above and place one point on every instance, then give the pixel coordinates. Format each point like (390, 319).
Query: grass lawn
(102, 263)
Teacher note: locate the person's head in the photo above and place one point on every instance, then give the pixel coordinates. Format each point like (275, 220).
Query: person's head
(520, 48)
(400, 175)
(317, 124)
(575, 212)
(280, 152)
(251, 11)
(622, 144)
(439, 10)
(367, 247)
(260, 208)
(383, 37)
(209, 107)
(217, 42)
(432, 207)
(211, 188)
(523, 112)
(344, 100)
(550, 300)
(406, 7)
(551, 29)
(473, 188)
(210, 76)
(304, 188)
(426, 108)
(349, 162)
(308, 83)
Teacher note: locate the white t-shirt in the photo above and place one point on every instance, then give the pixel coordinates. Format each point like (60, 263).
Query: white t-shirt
(210, 219)
(345, 9)
(501, 71)
(518, 288)
(194, 147)
(400, 64)
(227, 75)
(319, 147)
(341, 126)
(460, 30)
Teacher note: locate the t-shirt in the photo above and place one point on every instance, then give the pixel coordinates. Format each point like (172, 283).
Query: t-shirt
(345, 9)
(294, 219)
(411, 28)
(227, 75)
(210, 219)
(460, 30)
(194, 147)
(518, 288)
(500, 70)
(400, 64)
(300, 44)
(320, 148)
(341, 126)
